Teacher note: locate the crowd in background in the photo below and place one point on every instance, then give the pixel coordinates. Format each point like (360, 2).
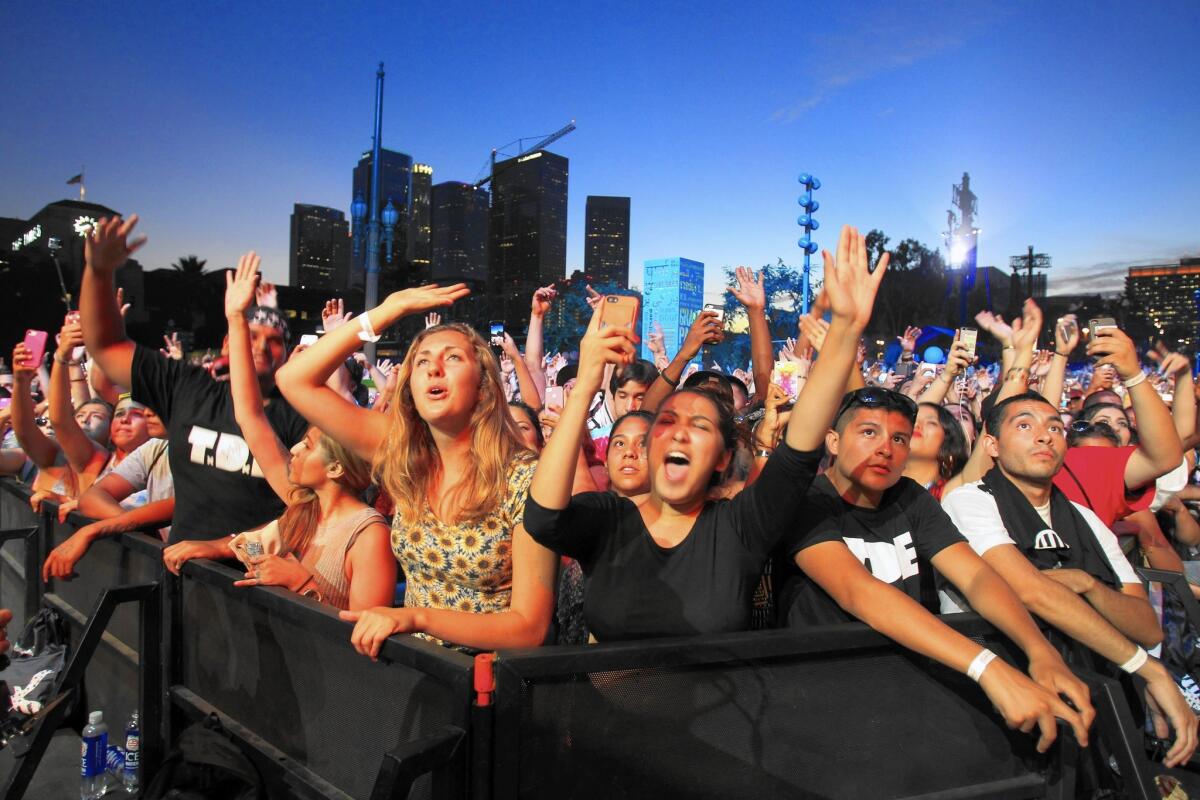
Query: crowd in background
(484, 496)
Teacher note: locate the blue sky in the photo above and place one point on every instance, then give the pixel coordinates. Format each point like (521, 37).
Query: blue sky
(1077, 121)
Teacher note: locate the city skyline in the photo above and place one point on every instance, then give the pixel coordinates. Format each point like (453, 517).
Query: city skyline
(213, 147)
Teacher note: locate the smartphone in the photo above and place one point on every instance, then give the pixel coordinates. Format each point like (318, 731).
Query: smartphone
(496, 332)
(309, 339)
(1068, 328)
(716, 309)
(5, 402)
(1098, 324)
(928, 373)
(786, 375)
(905, 369)
(555, 396)
(619, 310)
(968, 336)
(35, 342)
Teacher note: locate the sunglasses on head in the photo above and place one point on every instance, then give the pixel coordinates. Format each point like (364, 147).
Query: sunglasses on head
(876, 397)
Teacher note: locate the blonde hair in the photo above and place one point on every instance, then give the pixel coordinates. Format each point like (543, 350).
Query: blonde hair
(300, 521)
(408, 463)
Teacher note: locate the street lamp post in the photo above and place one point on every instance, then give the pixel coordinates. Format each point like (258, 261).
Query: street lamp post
(809, 224)
(360, 212)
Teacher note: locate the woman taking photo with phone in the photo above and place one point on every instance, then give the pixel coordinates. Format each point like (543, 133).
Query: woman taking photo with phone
(449, 455)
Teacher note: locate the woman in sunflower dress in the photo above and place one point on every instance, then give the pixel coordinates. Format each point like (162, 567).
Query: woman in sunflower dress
(450, 457)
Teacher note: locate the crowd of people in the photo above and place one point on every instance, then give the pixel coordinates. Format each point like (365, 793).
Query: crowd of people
(483, 497)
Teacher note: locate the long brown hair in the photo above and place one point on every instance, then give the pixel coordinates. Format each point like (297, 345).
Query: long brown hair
(408, 464)
(300, 521)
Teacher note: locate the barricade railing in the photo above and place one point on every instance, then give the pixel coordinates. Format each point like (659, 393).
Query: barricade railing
(830, 712)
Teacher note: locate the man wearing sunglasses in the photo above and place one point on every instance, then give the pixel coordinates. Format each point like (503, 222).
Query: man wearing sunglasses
(859, 549)
(1057, 555)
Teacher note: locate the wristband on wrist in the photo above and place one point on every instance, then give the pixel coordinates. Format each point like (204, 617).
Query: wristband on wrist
(1008, 347)
(1064, 355)
(763, 452)
(1135, 380)
(975, 671)
(667, 378)
(367, 334)
(66, 362)
(1137, 662)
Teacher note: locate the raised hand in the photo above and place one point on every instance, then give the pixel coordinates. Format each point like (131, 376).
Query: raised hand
(850, 284)
(542, 299)
(908, 342)
(172, 347)
(613, 344)
(1025, 330)
(334, 315)
(266, 295)
(509, 347)
(750, 290)
(958, 359)
(814, 329)
(1116, 350)
(241, 286)
(420, 299)
(996, 326)
(121, 304)
(593, 297)
(1066, 334)
(708, 328)
(432, 319)
(70, 337)
(23, 366)
(107, 247)
(656, 340)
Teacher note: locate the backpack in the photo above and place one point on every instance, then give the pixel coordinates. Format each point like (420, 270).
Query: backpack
(206, 764)
(36, 664)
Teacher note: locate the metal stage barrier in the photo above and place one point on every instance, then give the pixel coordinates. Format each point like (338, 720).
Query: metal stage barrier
(837, 712)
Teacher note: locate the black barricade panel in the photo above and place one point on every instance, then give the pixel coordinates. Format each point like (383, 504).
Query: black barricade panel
(315, 699)
(15, 513)
(868, 725)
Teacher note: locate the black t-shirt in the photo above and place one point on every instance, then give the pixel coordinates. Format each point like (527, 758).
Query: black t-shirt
(219, 488)
(891, 541)
(705, 584)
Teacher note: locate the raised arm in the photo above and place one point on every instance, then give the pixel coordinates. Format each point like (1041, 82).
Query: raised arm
(41, 449)
(956, 363)
(850, 286)
(268, 451)
(1066, 339)
(706, 329)
(1159, 449)
(105, 249)
(1183, 401)
(81, 452)
(302, 379)
(553, 480)
(525, 383)
(751, 292)
(534, 347)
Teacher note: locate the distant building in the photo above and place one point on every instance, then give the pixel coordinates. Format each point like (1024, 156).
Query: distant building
(672, 296)
(528, 230)
(420, 232)
(606, 244)
(395, 184)
(1166, 297)
(320, 248)
(459, 245)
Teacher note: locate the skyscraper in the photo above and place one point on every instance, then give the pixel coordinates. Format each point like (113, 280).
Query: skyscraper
(459, 233)
(419, 229)
(671, 297)
(1167, 296)
(320, 251)
(528, 236)
(606, 248)
(395, 184)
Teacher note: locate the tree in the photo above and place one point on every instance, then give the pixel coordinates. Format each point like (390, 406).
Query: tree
(569, 316)
(785, 300)
(192, 266)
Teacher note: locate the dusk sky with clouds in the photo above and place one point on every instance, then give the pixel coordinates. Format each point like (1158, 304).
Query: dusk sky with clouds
(1076, 121)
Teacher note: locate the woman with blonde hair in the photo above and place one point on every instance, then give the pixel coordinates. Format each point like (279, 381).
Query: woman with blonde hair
(328, 544)
(449, 455)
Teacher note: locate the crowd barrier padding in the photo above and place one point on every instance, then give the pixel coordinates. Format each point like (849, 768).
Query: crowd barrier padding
(827, 713)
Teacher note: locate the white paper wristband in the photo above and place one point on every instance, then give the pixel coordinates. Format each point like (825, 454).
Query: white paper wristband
(975, 671)
(1137, 662)
(367, 334)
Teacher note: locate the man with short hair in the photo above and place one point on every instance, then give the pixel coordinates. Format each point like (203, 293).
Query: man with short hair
(219, 488)
(1060, 559)
(866, 531)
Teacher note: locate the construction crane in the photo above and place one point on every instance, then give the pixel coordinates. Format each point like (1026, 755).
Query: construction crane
(542, 142)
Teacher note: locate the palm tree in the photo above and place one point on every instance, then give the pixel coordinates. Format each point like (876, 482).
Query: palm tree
(192, 266)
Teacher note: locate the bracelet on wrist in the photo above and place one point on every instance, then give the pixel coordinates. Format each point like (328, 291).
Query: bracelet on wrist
(1008, 347)
(672, 383)
(1064, 355)
(1135, 380)
(1138, 661)
(979, 664)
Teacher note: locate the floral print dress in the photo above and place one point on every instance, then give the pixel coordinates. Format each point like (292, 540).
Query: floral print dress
(467, 566)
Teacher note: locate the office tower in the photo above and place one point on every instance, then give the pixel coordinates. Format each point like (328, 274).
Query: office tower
(528, 231)
(606, 247)
(672, 295)
(395, 183)
(320, 249)
(419, 229)
(1166, 297)
(459, 232)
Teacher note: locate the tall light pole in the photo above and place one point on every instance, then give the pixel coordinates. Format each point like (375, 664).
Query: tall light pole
(375, 226)
(809, 224)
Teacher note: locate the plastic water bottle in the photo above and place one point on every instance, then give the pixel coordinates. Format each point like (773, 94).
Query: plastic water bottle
(93, 782)
(133, 746)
